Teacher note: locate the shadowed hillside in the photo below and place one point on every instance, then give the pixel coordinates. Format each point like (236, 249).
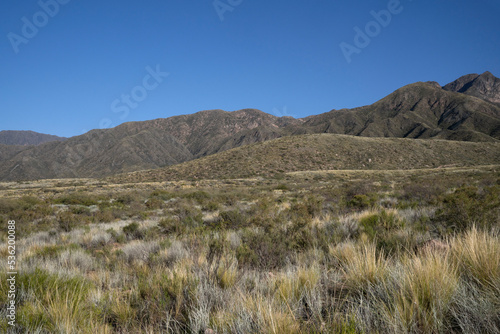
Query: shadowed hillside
(485, 86)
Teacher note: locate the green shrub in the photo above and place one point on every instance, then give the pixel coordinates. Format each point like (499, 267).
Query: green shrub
(468, 206)
(162, 195)
(78, 198)
(426, 193)
(233, 219)
(29, 202)
(211, 206)
(282, 187)
(67, 221)
(171, 225)
(120, 238)
(50, 251)
(127, 198)
(103, 216)
(189, 215)
(246, 256)
(378, 224)
(347, 326)
(199, 196)
(8, 205)
(394, 243)
(271, 249)
(314, 205)
(215, 251)
(80, 210)
(154, 203)
(132, 231)
(362, 201)
(369, 225)
(159, 293)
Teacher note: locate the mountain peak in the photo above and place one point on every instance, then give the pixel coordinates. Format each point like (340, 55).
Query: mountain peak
(485, 86)
(434, 83)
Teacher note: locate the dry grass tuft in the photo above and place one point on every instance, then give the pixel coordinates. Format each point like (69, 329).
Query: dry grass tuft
(477, 254)
(363, 266)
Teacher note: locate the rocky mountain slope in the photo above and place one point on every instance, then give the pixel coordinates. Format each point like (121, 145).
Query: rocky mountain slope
(485, 86)
(419, 110)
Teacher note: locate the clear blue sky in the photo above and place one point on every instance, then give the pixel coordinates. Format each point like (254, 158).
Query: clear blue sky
(281, 57)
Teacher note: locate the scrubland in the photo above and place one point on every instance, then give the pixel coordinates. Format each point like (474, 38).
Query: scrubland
(307, 252)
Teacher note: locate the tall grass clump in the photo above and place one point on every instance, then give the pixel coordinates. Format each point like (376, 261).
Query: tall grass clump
(477, 254)
(427, 284)
(56, 304)
(362, 265)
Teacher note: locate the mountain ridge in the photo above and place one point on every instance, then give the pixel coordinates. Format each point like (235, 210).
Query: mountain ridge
(26, 138)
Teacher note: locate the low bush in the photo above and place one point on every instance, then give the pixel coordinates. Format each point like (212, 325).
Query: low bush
(199, 196)
(67, 221)
(362, 201)
(468, 206)
(154, 203)
(211, 206)
(77, 198)
(133, 231)
(160, 194)
(233, 219)
(266, 250)
(171, 225)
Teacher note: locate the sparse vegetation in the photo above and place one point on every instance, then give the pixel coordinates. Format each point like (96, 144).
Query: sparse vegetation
(309, 252)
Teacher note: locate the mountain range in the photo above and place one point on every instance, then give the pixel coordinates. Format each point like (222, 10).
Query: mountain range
(9, 137)
(467, 109)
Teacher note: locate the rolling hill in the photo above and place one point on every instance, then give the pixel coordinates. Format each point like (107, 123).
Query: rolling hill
(324, 152)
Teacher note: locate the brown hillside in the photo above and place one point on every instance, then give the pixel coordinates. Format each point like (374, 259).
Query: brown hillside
(324, 152)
